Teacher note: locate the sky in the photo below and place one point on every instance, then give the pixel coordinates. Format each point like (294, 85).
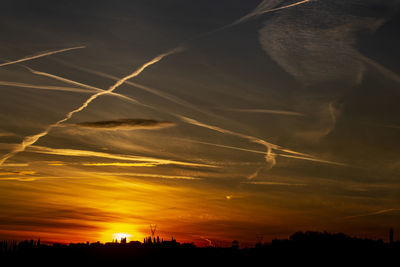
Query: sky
(214, 120)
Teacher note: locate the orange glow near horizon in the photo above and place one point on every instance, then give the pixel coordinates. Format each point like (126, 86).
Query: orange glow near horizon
(119, 231)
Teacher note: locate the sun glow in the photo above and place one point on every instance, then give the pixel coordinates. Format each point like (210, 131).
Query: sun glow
(120, 231)
(121, 236)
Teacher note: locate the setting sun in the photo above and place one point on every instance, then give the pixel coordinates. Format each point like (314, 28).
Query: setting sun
(121, 236)
(119, 231)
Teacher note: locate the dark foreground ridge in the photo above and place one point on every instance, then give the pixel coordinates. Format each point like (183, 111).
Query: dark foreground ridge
(312, 247)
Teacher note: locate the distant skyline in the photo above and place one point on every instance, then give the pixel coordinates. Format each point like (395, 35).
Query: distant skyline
(215, 121)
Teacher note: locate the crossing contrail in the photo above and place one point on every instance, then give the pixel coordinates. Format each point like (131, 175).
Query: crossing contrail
(30, 140)
(65, 80)
(43, 54)
(146, 88)
(269, 155)
(307, 158)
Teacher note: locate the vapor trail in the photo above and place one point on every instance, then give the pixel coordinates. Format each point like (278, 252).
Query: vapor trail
(259, 13)
(137, 159)
(395, 77)
(62, 79)
(270, 156)
(154, 91)
(43, 54)
(30, 140)
(310, 158)
(55, 77)
(44, 87)
(283, 7)
(267, 111)
(379, 212)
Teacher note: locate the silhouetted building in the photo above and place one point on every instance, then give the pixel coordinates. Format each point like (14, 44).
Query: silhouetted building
(235, 244)
(391, 233)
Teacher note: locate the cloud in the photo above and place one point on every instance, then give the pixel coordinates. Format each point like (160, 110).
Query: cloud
(317, 43)
(255, 174)
(124, 124)
(43, 54)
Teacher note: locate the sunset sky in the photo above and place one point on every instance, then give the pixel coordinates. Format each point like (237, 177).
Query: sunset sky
(214, 120)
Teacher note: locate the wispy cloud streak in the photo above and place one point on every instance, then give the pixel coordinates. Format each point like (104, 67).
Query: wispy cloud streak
(87, 153)
(274, 183)
(45, 87)
(160, 176)
(390, 74)
(267, 111)
(378, 212)
(30, 140)
(43, 54)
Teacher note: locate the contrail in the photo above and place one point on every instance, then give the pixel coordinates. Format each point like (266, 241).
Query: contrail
(259, 13)
(58, 78)
(310, 158)
(62, 79)
(30, 140)
(379, 212)
(43, 54)
(270, 156)
(282, 7)
(45, 87)
(154, 91)
(136, 159)
(267, 111)
(395, 77)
